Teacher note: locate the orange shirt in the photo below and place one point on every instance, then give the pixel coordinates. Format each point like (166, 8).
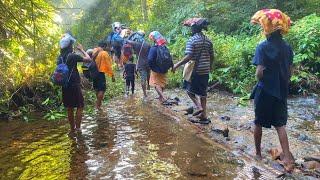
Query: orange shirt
(104, 62)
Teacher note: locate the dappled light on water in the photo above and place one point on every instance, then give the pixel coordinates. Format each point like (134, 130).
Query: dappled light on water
(47, 157)
(129, 140)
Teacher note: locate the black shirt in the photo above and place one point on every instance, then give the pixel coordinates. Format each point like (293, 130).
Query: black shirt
(130, 70)
(71, 61)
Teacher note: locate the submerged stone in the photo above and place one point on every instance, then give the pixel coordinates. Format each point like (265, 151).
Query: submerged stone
(313, 158)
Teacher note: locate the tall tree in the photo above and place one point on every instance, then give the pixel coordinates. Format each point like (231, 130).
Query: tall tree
(144, 10)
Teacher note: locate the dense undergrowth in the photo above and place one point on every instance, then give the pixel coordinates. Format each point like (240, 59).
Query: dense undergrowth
(28, 45)
(233, 67)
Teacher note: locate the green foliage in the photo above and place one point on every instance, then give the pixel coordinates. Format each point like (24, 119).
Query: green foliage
(305, 39)
(94, 24)
(232, 64)
(29, 36)
(27, 50)
(54, 115)
(233, 57)
(114, 88)
(174, 79)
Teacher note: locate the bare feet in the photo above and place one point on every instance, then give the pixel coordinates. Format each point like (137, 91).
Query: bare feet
(288, 163)
(258, 157)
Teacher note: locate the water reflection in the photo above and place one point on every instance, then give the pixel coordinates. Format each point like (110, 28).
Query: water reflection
(35, 152)
(131, 140)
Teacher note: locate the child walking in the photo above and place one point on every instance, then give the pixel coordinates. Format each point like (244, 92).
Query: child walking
(129, 75)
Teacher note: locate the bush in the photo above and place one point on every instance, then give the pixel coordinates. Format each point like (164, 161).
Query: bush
(232, 64)
(233, 58)
(304, 37)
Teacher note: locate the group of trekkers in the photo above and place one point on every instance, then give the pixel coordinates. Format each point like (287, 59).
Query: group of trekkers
(273, 59)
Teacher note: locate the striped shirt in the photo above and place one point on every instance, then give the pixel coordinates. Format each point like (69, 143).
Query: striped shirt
(200, 48)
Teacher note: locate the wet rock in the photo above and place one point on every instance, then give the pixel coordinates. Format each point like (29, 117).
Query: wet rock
(275, 153)
(309, 178)
(170, 102)
(286, 176)
(239, 140)
(189, 110)
(246, 126)
(303, 137)
(197, 174)
(255, 169)
(225, 118)
(104, 144)
(299, 161)
(89, 118)
(317, 125)
(311, 165)
(313, 158)
(277, 166)
(224, 132)
(240, 162)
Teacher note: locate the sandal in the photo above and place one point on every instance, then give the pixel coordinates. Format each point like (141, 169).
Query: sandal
(169, 102)
(189, 111)
(197, 112)
(204, 121)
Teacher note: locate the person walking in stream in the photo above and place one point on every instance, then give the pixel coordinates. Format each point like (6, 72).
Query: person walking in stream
(160, 61)
(199, 56)
(129, 74)
(71, 94)
(141, 49)
(104, 65)
(273, 59)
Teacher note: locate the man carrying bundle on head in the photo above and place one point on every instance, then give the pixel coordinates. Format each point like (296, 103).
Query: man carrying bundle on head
(199, 56)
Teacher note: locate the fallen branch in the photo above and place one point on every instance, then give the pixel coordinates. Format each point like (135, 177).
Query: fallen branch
(213, 86)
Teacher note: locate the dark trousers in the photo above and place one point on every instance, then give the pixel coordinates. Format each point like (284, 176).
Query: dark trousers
(129, 82)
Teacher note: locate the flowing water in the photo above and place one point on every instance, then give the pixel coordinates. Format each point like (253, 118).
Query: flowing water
(130, 140)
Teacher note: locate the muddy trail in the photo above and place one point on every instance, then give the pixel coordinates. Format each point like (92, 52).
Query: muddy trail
(133, 139)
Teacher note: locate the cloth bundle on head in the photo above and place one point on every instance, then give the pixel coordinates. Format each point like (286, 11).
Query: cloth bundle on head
(66, 40)
(157, 38)
(201, 22)
(125, 33)
(272, 20)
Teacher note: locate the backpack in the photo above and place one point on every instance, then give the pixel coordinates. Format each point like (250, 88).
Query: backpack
(90, 70)
(136, 36)
(164, 59)
(127, 50)
(61, 75)
(114, 39)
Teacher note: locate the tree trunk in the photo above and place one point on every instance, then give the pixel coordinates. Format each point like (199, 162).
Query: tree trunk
(144, 10)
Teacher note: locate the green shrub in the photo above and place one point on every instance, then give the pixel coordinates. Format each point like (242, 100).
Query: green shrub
(304, 37)
(233, 57)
